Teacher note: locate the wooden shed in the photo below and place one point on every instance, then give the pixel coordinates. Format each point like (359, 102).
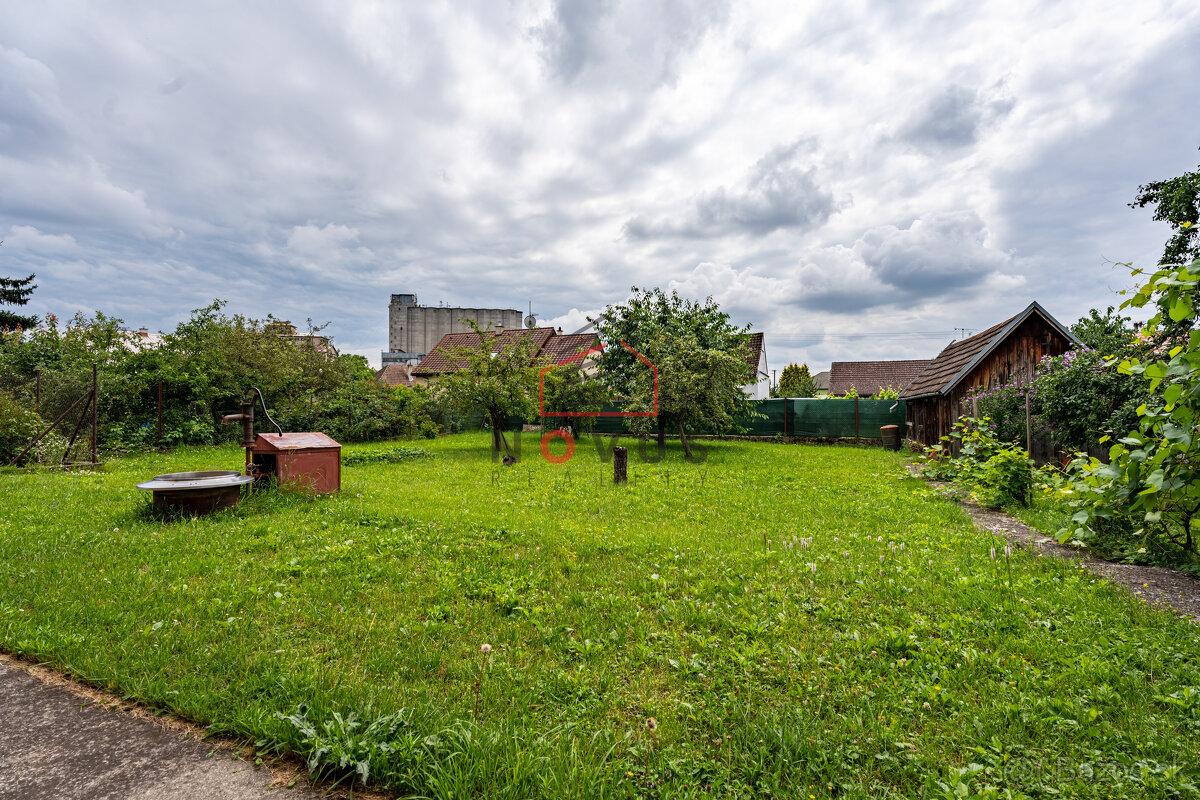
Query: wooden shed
(1006, 353)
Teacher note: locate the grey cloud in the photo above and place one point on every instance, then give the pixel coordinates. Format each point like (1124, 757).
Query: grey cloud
(571, 39)
(932, 259)
(172, 86)
(781, 192)
(628, 44)
(934, 256)
(953, 118)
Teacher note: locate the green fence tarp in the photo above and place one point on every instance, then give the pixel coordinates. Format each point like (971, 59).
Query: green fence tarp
(801, 417)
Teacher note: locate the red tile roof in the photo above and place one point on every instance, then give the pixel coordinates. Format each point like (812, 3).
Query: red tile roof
(868, 377)
(561, 347)
(395, 375)
(437, 362)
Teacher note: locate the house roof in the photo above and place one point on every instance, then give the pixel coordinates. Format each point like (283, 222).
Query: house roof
(868, 377)
(959, 358)
(561, 347)
(395, 375)
(437, 362)
(754, 348)
(821, 380)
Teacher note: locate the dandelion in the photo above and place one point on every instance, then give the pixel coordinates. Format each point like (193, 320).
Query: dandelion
(485, 648)
(651, 724)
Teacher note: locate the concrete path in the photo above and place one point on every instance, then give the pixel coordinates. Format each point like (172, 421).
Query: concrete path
(55, 742)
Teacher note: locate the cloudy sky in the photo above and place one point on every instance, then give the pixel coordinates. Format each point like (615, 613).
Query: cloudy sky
(824, 170)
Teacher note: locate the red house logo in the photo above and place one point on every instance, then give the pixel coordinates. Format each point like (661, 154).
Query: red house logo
(564, 435)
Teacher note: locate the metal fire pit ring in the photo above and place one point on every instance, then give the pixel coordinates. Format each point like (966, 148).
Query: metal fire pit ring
(196, 492)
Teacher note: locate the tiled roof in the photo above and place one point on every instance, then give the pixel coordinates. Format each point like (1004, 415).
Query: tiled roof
(394, 375)
(561, 347)
(754, 348)
(437, 362)
(868, 377)
(942, 373)
(821, 380)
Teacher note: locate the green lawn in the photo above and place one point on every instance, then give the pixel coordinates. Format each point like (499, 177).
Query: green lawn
(889, 658)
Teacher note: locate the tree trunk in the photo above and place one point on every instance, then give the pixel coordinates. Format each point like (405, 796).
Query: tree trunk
(662, 432)
(498, 443)
(687, 449)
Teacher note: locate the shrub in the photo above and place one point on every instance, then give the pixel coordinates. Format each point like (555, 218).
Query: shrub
(991, 471)
(1004, 408)
(18, 426)
(364, 410)
(1081, 397)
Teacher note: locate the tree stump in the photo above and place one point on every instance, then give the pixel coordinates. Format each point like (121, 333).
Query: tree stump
(620, 464)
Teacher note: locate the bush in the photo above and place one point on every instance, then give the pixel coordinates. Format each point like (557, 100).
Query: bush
(18, 426)
(1081, 398)
(991, 471)
(363, 411)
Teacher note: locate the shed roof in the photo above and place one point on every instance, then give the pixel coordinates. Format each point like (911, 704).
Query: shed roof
(957, 359)
(869, 377)
(296, 441)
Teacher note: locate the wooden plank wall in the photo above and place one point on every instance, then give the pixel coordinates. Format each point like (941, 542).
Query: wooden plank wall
(1016, 359)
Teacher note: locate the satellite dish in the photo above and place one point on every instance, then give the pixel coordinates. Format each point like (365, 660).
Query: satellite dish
(531, 321)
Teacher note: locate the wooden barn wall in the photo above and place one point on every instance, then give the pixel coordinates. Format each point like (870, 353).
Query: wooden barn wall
(1016, 359)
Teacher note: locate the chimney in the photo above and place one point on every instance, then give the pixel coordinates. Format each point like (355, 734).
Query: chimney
(559, 331)
(144, 333)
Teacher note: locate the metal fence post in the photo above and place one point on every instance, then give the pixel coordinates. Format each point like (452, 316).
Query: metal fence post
(95, 411)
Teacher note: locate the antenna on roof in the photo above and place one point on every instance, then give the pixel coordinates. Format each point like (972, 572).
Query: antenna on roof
(531, 320)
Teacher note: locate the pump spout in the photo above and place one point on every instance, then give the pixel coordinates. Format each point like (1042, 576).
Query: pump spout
(246, 417)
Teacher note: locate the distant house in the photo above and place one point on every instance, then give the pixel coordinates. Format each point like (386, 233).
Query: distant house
(286, 330)
(870, 377)
(759, 386)
(395, 375)
(143, 339)
(1005, 353)
(821, 382)
(549, 346)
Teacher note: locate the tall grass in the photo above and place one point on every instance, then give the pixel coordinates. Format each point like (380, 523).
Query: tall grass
(779, 621)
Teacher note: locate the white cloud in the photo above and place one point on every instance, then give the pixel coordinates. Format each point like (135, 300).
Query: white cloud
(825, 167)
(27, 237)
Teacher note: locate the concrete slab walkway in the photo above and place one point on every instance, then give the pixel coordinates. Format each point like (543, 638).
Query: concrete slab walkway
(56, 743)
